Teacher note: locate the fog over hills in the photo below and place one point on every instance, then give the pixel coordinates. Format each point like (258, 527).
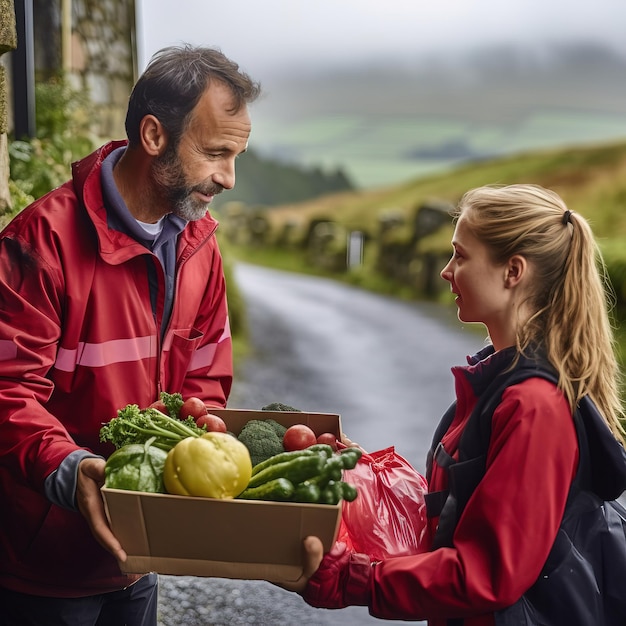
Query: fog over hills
(386, 121)
(494, 84)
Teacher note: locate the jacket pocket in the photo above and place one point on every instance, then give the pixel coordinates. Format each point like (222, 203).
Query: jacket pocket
(178, 350)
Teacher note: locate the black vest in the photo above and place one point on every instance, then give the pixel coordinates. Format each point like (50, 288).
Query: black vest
(583, 582)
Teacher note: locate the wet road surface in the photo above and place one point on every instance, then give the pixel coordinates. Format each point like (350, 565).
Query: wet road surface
(318, 345)
(382, 364)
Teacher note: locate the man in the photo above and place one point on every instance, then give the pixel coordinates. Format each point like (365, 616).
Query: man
(111, 290)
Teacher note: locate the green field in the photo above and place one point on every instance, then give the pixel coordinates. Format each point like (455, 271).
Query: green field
(381, 151)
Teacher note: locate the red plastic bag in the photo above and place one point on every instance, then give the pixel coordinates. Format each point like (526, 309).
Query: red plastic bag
(388, 517)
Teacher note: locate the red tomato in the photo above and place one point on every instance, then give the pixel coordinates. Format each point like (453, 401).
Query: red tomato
(159, 405)
(193, 407)
(298, 437)
(214, 423)
(329, 439)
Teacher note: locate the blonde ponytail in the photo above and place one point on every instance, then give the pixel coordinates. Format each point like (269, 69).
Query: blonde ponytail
(570, 293)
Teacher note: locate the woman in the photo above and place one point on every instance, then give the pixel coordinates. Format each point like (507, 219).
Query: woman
(528, 269)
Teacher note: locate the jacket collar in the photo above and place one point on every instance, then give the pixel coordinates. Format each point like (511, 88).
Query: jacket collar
(116, 246)
(485, 365)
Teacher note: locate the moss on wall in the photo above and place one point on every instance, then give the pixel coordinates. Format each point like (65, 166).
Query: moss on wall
(8, 42)
(8, 35)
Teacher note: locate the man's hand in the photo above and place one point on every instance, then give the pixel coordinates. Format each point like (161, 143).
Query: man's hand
(91, 505)
(313, 554)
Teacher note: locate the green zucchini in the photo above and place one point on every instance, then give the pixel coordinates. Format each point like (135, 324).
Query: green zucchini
(279, 489)
(296, 470)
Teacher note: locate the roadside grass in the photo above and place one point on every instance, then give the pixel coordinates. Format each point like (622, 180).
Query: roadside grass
(291, 261)
(591, 180)
(294, 261)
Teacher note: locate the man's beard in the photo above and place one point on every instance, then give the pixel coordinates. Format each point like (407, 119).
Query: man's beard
(169, 178)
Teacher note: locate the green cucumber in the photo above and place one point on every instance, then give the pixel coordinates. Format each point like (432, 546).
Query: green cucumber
(331, 470)
(280, 458)
(296, 470)
(332, 493)
(348, 492)
(321, 448)
(279, 489)
(350, 457)
(306, 492)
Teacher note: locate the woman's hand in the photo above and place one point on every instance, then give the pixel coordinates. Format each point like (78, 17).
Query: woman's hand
(349, 443)
(334, 580)
(313, 553)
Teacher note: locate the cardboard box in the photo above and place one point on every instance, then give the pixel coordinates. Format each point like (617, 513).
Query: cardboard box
(243, 539)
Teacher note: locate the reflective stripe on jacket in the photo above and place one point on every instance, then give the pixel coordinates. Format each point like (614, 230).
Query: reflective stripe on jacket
(78, 341)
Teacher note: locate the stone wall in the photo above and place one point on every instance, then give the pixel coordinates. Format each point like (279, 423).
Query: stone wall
(8, 42)
(103, 55)
(102, 62)
(104, 59)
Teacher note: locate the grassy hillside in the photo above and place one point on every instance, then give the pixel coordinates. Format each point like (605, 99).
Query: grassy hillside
(264, 181)
(592, 180)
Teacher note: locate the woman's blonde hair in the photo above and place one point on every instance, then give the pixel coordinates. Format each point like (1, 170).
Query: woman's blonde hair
(570, 293)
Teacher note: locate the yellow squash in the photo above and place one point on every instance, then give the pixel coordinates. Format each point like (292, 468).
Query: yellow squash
(214, 465)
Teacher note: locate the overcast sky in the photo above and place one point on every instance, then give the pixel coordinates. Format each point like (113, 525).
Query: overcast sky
(267, 35)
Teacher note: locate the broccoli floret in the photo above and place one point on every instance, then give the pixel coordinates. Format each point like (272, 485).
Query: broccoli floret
(261, 440)
(279, 429)
(279, 406)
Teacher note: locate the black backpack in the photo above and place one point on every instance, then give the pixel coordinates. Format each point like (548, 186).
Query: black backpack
(583, 582)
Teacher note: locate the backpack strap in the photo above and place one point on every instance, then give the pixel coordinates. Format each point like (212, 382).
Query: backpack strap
(465, 474)
(602, 456)
(607, 456)
(436, 500)
(440, 431)
(601, 468)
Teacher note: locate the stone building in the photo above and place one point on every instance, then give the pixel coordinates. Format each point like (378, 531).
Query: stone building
(8, 42)
(91, 42)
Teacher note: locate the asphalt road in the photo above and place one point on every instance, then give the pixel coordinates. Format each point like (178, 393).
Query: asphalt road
(381, 363)
(318, 345)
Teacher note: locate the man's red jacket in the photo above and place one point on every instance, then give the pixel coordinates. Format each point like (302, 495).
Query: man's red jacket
(79, 340)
